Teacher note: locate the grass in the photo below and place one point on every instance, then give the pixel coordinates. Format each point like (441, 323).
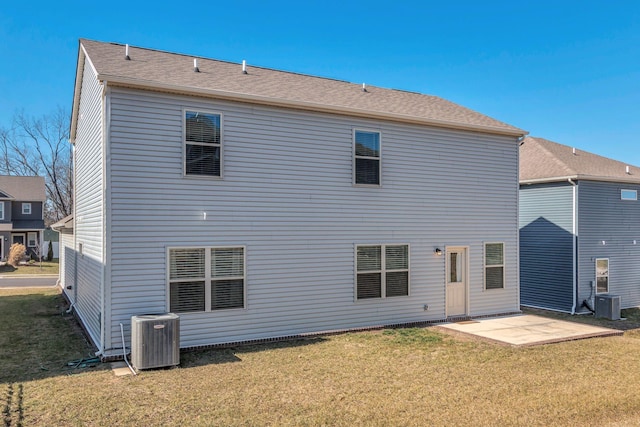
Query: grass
(408, 377)
(48, 267)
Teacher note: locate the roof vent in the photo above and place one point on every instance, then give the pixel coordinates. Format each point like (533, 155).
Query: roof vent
(574, 151)
(627, 170)
(364, 87)
(195, 65)
(126, 52)
(244, 67)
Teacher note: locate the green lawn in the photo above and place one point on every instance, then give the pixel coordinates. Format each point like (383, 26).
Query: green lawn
(393, 377)
(47, 267)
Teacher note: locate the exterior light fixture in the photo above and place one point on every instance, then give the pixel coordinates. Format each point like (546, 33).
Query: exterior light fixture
(438, 251)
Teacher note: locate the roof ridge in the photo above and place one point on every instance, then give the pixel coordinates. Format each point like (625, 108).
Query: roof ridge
(224, 61)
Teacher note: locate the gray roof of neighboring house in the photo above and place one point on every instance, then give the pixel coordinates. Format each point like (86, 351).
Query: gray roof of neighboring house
(28, 224)
(542, 160)
(27, 188)
(171, 72)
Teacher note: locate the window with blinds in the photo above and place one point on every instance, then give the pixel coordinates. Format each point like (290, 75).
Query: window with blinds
(206, 279)
(202, 144)
(382, 271)
(366, 151)
(494, 265)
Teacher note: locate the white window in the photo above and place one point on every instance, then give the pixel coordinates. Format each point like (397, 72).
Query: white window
(206, 278)
(494, 265)
(26, 209)
(382, 271)
(202, 143)
(602, 275)
(628, 194)
(32, 239)
(366, 157)
(1, 210)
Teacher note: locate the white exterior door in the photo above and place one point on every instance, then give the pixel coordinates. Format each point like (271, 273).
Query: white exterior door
(456, 282)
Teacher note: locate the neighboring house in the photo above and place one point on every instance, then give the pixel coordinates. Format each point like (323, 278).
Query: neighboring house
(579, 227)
(268, 204)
(21, 212)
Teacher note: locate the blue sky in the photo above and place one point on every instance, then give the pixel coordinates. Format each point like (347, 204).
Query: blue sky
(567, 71)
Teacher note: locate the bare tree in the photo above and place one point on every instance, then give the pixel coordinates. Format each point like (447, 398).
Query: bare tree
(40, 146)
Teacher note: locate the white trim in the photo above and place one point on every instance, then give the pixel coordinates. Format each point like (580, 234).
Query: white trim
(580, 178)
(29, 233)
(353, 156)
(184, 143)
(26, 205)
(383, 270)
(635, 194)
(207, 278)
(484, 266)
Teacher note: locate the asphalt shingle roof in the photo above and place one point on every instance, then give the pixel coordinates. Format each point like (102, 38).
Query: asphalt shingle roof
(174, 72)
(25, 188)
(544, 160)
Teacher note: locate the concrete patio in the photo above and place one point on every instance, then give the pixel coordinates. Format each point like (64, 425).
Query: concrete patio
(529, 330)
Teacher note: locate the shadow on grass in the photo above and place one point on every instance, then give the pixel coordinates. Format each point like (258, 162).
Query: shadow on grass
(37, 338)
(7, 268)
(201, 357)
(630, 318)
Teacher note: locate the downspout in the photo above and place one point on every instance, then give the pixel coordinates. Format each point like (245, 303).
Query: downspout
(573, 240)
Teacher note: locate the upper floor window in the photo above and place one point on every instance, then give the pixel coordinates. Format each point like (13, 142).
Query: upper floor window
(366, 152)
(629, 194)
(494, 265)
(1, 210)
(382, 271)
(26, 209)
(202, 143)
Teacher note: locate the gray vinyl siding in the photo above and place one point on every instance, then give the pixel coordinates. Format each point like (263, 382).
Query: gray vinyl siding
(89, 224)
(17, 215)
(287, 196)
(546, 246)
(604, 217)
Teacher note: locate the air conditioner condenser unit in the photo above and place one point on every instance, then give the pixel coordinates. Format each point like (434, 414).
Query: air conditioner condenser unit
(608, 306)
(155, 340)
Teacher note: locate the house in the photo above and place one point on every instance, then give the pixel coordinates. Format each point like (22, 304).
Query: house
(22, 201)
(579, 228)
(258, 204)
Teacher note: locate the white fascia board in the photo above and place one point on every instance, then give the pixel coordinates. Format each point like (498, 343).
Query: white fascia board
(630, 180)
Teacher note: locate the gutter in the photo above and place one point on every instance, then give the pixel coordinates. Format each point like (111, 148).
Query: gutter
(573, 241)
(635, 180)
(311, 106)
